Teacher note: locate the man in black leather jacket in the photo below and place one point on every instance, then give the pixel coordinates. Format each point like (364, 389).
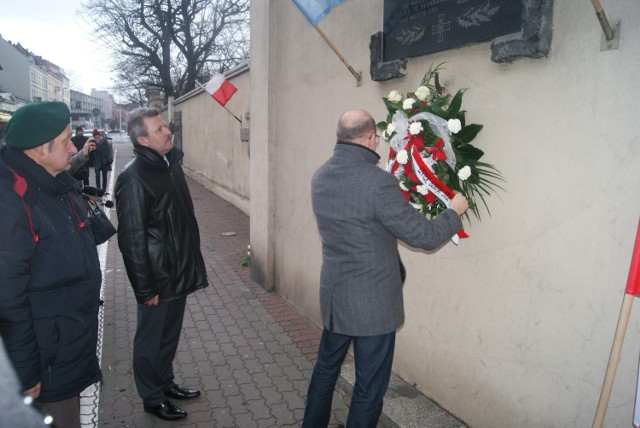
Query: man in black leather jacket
(159, 240)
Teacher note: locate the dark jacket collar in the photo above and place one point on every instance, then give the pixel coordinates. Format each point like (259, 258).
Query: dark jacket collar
(344, 148)
(154, 158)
(36, 174)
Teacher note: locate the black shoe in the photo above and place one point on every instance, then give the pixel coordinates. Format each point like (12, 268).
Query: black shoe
(167, 411)
(182, 393)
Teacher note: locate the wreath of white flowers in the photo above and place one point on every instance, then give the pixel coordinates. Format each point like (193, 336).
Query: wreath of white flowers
(430, 150)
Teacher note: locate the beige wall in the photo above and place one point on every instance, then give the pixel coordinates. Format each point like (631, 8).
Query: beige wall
(513, 327)
(215, 156)
(263, 145)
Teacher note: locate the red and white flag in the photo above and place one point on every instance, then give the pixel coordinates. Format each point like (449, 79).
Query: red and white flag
(633, 288)
(220, 89)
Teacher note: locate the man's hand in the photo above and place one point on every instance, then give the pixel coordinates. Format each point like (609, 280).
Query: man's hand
(89, 146)
(459, 204)
(153, 301)
(34, 392)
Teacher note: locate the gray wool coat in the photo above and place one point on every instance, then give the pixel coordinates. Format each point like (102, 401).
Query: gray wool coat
(361, 214)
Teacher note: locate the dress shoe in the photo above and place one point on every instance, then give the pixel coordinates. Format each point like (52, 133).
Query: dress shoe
(167, 411)
(181, 393)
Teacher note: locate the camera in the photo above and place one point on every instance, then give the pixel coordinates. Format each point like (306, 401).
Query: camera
(92, 191)
(96, 195)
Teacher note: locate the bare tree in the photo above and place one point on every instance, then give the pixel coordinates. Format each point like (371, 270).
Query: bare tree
(170, 44)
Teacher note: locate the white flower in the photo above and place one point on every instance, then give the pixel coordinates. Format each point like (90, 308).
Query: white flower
(408, 103)
(422, 189)
(403, 187)
(390, 129)
(416, 206)
(454, 125)
(464, 173)
(402, 157)
(422, 93)
(415, 128)
(394, 96)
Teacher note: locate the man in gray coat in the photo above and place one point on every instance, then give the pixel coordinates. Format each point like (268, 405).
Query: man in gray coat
(361, 214)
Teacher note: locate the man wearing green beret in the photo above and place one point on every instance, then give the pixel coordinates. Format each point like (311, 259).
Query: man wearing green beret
(49, 269)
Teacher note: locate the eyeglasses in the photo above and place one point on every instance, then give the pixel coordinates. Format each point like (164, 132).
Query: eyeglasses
(377, 138)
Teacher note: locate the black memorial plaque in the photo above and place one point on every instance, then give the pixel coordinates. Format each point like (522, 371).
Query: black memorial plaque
(418, 27)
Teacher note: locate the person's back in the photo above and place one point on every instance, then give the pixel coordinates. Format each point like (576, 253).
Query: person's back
(361, 214)
(360, 279)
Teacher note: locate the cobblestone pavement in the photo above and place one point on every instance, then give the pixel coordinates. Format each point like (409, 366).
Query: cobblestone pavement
(248, 351)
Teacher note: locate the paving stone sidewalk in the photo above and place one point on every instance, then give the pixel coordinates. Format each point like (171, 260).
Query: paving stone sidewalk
(248, 351)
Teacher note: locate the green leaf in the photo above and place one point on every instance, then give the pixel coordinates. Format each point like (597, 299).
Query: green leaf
(392, 107)
(437, 111)
(469, 152)
(468, 133)
(430, 74)
(456, 104)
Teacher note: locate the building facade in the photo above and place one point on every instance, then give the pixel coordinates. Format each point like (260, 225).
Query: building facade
(26, 77)
(86, 110)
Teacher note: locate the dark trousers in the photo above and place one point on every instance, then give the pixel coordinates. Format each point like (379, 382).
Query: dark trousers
(373, 359)
(154, 349)
(104, 174)
(65, 413)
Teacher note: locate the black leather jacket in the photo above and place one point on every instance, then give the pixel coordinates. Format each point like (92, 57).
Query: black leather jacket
(158, 232)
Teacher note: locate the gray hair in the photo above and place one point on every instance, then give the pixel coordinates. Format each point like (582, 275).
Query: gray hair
(136, 127)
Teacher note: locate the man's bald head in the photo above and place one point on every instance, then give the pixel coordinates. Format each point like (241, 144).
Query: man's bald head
(355, 126)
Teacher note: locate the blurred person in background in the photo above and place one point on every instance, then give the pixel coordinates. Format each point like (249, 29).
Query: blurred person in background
(102, 159)
(82, 172)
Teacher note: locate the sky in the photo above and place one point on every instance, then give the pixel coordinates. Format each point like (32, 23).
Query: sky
(58, 32)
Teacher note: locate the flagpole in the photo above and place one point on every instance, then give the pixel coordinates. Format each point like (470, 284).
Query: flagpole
(237, 118)
(632, 290)
(616, 349)
(602, 18)
(224, 107)
(333, 47)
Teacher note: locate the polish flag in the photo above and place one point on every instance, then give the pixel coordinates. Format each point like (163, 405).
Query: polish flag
(633, 288)
(220, 89)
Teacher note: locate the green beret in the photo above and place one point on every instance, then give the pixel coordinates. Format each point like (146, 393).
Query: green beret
(35, 124)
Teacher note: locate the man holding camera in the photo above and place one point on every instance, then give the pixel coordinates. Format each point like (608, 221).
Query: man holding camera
(81, 170)
(102, 159)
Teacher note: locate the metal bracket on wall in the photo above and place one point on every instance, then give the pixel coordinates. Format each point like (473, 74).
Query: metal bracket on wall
(614, 43)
